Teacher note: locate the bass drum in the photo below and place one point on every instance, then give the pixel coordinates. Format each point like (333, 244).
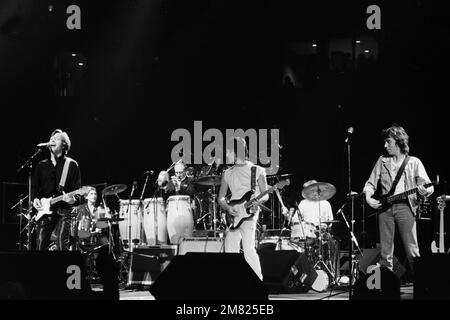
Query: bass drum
(322, 281)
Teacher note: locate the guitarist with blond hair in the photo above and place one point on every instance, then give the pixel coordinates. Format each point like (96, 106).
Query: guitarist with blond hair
(242, 178)
(392, 189)
(57, 175)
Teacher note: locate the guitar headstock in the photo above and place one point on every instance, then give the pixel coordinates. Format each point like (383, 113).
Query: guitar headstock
(83, 191)
(282, 184)
(441, 202)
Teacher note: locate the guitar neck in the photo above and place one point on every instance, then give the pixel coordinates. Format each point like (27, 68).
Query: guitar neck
(59, 198)
(407, 193)
(257, 198)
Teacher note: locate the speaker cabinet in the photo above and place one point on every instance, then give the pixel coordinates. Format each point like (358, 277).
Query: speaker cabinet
(432, 277)
(372, 257)
(147, 263)
(208, 276)
(203, 244)
(285, 271)
(46, 275)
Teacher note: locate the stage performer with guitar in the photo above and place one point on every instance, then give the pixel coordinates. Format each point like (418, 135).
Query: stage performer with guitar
(245, 181)
(392, 190)
(55, 190)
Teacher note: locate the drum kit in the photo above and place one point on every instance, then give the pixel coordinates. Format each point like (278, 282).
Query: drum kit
(316, 241)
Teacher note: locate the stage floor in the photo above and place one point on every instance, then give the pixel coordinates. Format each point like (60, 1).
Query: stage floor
(338, 294)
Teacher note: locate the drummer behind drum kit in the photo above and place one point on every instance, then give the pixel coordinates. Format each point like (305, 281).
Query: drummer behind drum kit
(317, 242)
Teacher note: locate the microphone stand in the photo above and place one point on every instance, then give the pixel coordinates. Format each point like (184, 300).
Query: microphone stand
(129, 217)
(347, 142)
(29, 164)
(141, 207)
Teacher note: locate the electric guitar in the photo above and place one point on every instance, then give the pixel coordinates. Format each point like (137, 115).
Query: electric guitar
(47, 203)
(441, 206)
(244, 204)
(387, 200)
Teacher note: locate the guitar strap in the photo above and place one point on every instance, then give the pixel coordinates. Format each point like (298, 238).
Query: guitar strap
(399, 174)
(253, 178)
(62, 182)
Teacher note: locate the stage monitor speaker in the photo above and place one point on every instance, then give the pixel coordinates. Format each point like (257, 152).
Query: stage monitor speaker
(389, 287)
(208, 276)
(46, 275)
(147, 263)
(286, 271)
(202, 244)
(432, 277)
(372, 257)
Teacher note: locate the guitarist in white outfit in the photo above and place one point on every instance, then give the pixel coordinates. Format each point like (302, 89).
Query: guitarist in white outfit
(238, 180)
(403, 210)
(46, 184)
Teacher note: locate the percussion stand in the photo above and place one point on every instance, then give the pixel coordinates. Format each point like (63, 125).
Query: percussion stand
(129, 217)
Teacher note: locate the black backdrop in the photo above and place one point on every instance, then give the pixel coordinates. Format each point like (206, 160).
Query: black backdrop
(151, 67)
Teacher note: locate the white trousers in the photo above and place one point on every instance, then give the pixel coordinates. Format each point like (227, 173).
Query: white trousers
(246, 232)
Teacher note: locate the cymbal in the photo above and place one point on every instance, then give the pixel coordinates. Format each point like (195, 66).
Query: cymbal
(280, 175)
(330, 221)
(114, 189)
(319, 191)
(111, 219)
(209, 180)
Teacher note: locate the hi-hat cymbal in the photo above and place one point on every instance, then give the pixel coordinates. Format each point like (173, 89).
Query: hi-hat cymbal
(330, 221)
(209, 180)
(114, 189)
(319, 191)
(111, 219)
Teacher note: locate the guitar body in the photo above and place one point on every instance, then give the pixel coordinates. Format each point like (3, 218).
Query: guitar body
(46, 203)
(245, 203)
(235, 222)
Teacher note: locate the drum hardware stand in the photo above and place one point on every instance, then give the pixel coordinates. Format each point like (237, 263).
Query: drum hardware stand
(29, 164)
(130, 246)
(141, 211)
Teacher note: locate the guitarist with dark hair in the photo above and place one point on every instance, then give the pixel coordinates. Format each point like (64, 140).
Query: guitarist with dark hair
(239, 180)
(398, 177)
(58, 175)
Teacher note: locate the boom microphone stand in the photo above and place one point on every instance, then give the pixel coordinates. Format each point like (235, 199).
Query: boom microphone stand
(29, 164)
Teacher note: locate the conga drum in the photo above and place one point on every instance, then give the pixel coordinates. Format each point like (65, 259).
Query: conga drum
(155, 207)
(180, 222)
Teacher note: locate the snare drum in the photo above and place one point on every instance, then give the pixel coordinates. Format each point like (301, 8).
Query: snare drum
(129, 212)
(280, 243)
(152, 205)
(303, 231)
(180, 222)
(322, 281)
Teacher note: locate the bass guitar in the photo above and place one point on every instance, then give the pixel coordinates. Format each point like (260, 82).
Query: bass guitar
(441, 235)
(387, 200)
(244, 205)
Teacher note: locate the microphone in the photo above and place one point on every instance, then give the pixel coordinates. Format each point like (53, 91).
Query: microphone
(349, 133)
(45, 144)
(150, 172)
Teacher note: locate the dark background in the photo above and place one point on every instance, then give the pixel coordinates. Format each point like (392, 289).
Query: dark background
(151, 67)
